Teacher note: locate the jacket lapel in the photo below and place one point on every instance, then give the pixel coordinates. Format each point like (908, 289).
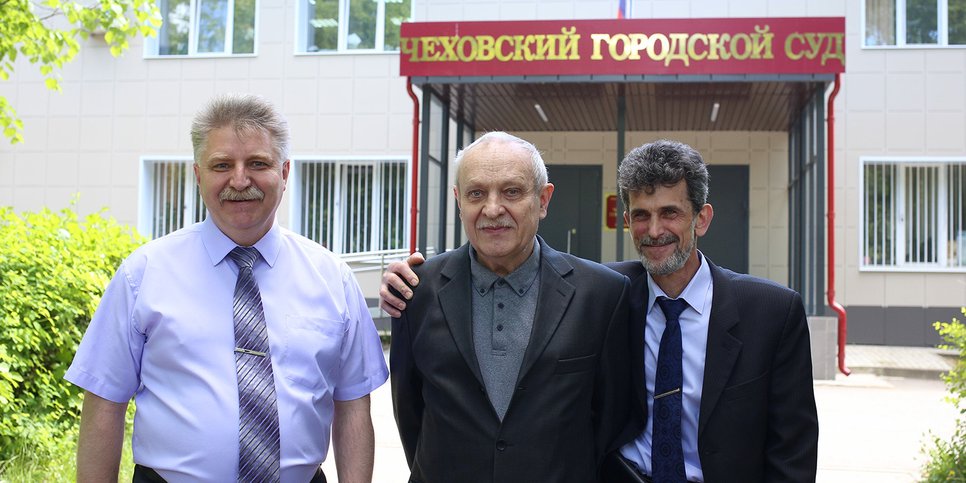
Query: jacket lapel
(552, 302)
(723, 348)
(638, 316)
(457, 305)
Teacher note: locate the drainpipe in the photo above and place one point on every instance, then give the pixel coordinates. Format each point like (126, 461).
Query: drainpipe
(843, 319)
(413, 205)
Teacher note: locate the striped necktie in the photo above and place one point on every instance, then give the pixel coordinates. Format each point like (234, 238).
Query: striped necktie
(258, 441)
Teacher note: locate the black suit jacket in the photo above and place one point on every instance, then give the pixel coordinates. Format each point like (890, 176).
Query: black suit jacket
(571, 399)
(757, 421)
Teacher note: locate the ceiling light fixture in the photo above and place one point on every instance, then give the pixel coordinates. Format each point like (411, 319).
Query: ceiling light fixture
(540, 112)
(714, 111)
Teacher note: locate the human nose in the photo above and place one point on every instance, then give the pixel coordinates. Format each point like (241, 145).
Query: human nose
(493, 206)
(239, 178)
(654, 228)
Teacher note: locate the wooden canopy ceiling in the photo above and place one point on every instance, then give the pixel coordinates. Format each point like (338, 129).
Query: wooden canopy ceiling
(662, 106)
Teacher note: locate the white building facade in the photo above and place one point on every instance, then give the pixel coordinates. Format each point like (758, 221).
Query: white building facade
(117, 137)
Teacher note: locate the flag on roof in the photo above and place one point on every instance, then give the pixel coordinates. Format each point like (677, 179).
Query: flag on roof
(624, 9)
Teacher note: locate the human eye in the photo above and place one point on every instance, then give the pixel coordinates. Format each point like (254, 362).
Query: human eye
(474, 194)
(670, 213)
(513, 193)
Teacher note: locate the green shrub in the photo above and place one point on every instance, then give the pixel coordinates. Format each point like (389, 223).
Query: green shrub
(947, 458)
(53, 271)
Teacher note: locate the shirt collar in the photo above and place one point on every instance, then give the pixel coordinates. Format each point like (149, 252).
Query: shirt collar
(694, 293)
(217, 244)
(520, 280)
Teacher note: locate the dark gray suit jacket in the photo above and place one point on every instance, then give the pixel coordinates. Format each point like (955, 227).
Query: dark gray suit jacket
(572, 395)
(757, 421)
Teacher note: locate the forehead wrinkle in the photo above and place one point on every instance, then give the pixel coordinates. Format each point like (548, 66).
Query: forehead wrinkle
(485, 165)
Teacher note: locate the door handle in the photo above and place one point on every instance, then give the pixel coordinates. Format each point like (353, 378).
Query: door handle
(570, 236)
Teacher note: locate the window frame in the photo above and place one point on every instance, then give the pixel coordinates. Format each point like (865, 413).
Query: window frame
(152, 44)
(942, 206)
(380, 34)
(147, 194)
(297, 198)
(942, 19)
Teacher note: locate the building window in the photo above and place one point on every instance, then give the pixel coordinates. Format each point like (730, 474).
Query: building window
(352, 206)
(913, 214)
(343, 25)
(204, 28)
(915, 23)
(170, 199)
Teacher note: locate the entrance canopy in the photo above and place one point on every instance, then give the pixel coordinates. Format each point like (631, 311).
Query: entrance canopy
(568, 75)
(725, 74)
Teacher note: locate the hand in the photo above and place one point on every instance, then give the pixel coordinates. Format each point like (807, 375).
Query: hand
(394, 277)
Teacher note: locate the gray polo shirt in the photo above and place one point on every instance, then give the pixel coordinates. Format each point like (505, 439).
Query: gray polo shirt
(503, 310)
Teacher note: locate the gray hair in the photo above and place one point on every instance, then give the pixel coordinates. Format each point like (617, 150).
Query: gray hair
(538, 169)
(245, 113)
(664, 163)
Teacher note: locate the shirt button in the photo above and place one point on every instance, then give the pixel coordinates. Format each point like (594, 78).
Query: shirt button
(500, 305)
(499, 328)
(500, 445)
(482, 291)
(521, 291)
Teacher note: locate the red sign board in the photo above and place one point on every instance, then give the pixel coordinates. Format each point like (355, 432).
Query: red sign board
(611, 216)
(809, 45)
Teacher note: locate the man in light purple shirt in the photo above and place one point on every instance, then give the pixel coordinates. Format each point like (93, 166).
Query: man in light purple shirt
(164, 331)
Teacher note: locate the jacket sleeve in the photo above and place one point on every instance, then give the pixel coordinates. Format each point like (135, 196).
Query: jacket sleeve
(612, 395)
(791, 448)
(407, 385)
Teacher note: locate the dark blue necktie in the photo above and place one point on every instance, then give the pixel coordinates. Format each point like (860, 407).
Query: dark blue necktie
(667, 457)
(258, 441)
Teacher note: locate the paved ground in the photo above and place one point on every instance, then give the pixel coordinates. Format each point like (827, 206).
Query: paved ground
(872, 426)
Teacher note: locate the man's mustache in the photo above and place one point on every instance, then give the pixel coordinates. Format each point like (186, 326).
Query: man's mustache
(250, 193)
(667, 239)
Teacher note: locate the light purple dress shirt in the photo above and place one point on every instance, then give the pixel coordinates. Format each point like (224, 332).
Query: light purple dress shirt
(163, 334)
(694, 344)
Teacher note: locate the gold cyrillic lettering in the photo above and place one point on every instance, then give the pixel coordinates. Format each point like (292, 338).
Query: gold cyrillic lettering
(692, 51)
(678, 49)
(761, 43)
(461, 46)
(835, 49)
(665, 47)
(428, 49)
(736, 51)
(718, 46)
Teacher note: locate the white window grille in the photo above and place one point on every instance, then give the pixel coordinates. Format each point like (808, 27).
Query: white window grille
(914, 23)
(913, 214)
(352, 206)
(351, 25)
(170, 199)
(204, 28)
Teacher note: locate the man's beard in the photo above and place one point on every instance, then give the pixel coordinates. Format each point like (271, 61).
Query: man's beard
(672, 263)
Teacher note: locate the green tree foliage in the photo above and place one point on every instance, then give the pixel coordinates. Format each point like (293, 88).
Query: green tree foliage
(947, 458)
(46, 33)
(53, 270)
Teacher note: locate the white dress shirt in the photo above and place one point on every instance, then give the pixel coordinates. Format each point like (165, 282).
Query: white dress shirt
(164, 334)
(694, 343)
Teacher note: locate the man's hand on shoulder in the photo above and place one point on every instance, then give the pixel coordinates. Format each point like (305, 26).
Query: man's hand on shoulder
(395, 277)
